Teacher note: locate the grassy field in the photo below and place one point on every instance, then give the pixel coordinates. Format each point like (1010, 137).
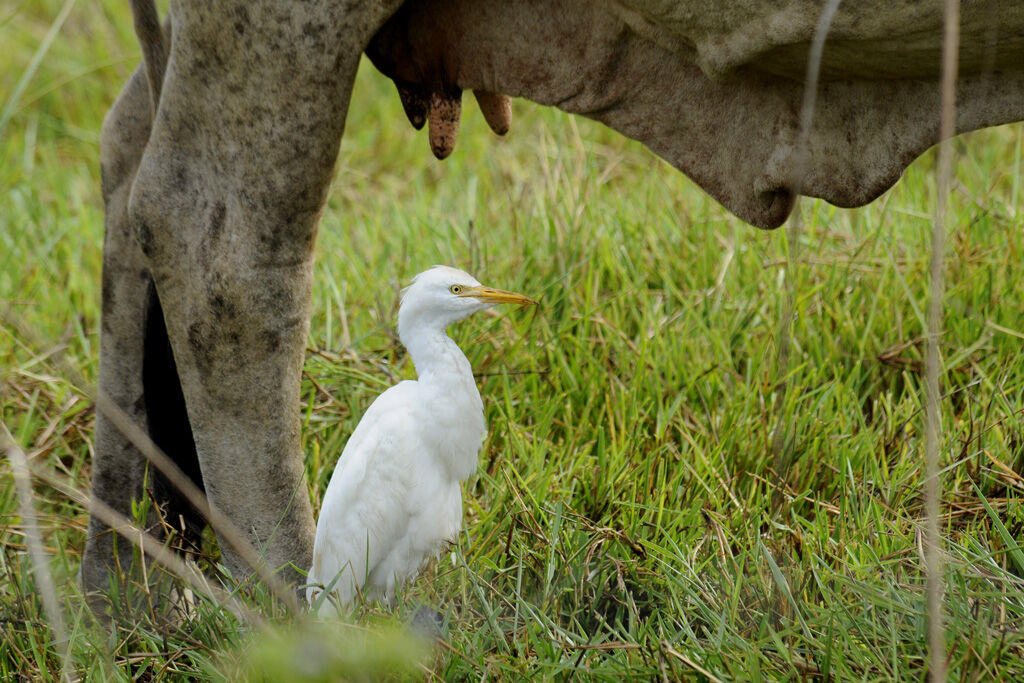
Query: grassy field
(628, 519)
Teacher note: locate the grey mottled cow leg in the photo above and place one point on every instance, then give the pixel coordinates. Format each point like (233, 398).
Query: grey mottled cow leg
(225, 208)
(118, 468)
(136, 367)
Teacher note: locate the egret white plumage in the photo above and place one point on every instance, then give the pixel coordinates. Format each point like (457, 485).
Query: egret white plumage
(395, 495)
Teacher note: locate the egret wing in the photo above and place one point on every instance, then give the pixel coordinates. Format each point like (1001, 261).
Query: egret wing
(365, 508)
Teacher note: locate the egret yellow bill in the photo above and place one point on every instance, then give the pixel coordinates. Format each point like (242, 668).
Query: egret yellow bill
(395, 495)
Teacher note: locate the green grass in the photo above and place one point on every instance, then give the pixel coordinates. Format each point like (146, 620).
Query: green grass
(627, 519)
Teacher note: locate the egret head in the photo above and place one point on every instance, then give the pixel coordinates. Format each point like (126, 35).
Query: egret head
(442, 295)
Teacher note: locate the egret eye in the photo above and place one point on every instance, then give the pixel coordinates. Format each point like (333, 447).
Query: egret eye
(455, 289)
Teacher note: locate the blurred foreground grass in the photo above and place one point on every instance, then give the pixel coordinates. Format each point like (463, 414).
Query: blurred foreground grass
(621, 523)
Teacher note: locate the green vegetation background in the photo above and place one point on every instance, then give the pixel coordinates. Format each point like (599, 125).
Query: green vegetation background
(627, 518)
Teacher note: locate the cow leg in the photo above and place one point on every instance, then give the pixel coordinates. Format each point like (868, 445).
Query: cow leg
(118, 469)
(225, 208)
(137, 370)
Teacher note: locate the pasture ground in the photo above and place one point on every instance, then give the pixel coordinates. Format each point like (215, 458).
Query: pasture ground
(628, 518)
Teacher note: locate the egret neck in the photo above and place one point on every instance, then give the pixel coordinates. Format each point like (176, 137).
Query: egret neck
(450, 399)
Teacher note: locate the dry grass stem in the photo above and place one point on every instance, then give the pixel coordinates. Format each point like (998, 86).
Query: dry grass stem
(153, 548)
(932, 491)
(37, 549)
(794, 227)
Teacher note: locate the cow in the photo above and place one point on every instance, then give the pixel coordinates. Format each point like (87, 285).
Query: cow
(217, 156)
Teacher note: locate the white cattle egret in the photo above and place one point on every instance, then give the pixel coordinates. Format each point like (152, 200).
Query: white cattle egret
(394, 498)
